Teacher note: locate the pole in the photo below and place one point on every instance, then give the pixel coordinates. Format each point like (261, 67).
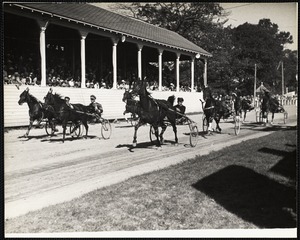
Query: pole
(282, 77)
(254, 95)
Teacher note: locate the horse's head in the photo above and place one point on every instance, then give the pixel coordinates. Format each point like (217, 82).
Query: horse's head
(24, 96)
(207, 93)
(49, 98)
(139, 88)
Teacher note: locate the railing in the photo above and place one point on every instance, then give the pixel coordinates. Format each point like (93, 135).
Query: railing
(111, 100)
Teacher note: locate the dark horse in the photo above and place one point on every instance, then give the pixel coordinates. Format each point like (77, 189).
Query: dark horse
(246, 106)
(269, 104)
(132, 106)
(154, 111)
(64, 114)
(213, 109)
(37, 110)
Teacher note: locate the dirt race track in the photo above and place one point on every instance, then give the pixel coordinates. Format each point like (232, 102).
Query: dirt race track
(41, 170)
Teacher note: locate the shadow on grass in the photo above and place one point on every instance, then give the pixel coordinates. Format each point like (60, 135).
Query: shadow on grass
(251, 196)
(261, 128)
(287, 166)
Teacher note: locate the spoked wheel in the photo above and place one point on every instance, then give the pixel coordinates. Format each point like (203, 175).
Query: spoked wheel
(285, 117)
(193, 135)
(75, 130)
(48, 128)
(204, 124)
(237, 124)
(105, 129)
(152, 134)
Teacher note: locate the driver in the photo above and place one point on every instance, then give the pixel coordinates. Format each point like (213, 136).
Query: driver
(96, 106)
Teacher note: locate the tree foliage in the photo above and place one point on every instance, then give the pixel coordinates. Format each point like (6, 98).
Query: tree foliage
(235, 50)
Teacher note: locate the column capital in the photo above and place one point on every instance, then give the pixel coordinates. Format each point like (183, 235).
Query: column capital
(178, 55)
(140, 46)
(160, 51)
(114, 40)
(43, 24)
(83, 34)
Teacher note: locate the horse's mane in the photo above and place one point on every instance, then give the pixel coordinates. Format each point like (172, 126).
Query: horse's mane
(33, 98)
(58, 97)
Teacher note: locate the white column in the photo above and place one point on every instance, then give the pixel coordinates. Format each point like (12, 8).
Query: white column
(160, 52)
(82, 43)
(205, 72)
(192, 74)
(114, 62)
(177, 72)
(43, 26)
(140, 47)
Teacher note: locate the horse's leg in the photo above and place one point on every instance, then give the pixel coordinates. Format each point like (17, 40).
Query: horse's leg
(29, 127)
(136, 127)
(175, 130)
(157, 135)
(245, 113)
(86, 128)
(209, 123)
(272, 117)
(64, 126)
(217, 120)
(163, 129)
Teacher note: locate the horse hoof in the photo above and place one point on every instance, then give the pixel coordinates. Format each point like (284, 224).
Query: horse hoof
(134, 144)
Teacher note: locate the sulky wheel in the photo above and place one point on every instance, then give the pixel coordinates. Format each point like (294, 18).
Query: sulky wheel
(204, 124)
(105, 129)
(48, 128)
(152, 134)
(237, 124)
(285, 117)
(75, 130)
(193, 135)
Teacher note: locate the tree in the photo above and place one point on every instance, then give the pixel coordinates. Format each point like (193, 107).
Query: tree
(201, 23)
(260, 44)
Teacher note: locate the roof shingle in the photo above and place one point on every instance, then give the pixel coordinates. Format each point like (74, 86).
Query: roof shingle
(115, 22)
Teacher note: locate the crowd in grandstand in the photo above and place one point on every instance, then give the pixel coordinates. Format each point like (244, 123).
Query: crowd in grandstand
(25, 70)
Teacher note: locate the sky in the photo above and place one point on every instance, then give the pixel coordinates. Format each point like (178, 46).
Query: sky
(285, 15)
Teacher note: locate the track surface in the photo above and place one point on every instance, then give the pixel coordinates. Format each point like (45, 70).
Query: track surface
(41, 171)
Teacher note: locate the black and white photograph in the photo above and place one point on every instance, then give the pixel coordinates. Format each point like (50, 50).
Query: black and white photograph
(150, 119)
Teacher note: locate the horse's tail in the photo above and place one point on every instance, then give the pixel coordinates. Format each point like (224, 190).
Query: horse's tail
(171, 99)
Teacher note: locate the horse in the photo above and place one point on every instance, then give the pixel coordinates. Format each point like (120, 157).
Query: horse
(269, 104)
(213, 109)
(64, 113)
(246, 106)
(154, 111)
(37, 110)
(132, 106)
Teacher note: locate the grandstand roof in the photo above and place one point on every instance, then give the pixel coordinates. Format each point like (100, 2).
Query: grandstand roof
(107, 20)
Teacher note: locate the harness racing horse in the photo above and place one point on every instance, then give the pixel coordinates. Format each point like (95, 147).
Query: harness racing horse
(269, 104)
(246, 106)
(132, 106)
(213, 110)
(37, 111)
(154, 111)
(63, 113)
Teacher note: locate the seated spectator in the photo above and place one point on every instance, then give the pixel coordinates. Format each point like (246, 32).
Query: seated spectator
(71, 82)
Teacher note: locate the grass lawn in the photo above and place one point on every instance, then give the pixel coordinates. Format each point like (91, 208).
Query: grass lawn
(248, 185)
